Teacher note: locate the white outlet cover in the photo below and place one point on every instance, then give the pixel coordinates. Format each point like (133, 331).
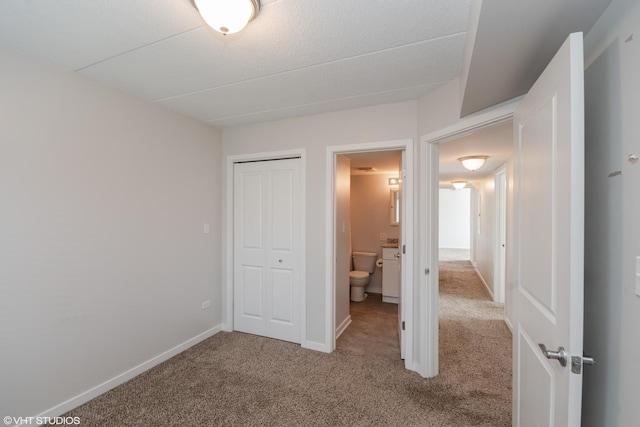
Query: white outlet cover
(206, 228)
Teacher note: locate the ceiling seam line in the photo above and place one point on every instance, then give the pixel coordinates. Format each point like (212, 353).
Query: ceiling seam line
(84, 67)
(331, 100)
(308, 67)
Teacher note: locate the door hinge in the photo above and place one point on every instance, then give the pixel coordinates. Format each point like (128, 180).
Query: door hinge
(404, 249)
(403, 325)
(427, 271)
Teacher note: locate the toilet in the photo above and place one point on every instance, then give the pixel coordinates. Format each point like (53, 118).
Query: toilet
(364, 263)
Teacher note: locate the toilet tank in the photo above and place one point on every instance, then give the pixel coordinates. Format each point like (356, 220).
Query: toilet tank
(365, 261)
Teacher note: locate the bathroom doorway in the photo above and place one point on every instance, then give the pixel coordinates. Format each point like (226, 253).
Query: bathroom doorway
(367, 187)
(369, 212)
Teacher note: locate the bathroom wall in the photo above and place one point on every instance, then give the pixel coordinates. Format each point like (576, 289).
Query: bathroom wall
(343, 243)
(370, 221)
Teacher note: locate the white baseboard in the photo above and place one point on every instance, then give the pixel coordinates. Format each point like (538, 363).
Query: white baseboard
(484, 283)
(316, 346)
(96, 391)
(373, 289)
(343, 326)
(392, 300)
(509, 325)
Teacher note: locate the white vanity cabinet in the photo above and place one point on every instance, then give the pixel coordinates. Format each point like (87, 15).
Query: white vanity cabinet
(390, 275)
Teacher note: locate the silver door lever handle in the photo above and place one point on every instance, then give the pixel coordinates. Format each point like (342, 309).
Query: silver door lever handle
(560, 355)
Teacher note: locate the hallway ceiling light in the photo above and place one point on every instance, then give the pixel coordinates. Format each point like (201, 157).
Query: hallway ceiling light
(473, 163)
(459, 185)
(228, 16)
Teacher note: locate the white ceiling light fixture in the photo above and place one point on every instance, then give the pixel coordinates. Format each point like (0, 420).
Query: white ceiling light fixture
(228, 16)
(459, 185)
(473, 163)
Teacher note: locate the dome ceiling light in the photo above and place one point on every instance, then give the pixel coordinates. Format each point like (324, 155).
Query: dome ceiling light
(459, 185)
(228, 16)
(473, 163)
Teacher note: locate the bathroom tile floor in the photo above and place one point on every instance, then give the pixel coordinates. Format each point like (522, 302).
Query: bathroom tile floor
(373, 329)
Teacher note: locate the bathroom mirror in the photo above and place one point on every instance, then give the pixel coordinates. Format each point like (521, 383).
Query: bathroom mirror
(394, 215)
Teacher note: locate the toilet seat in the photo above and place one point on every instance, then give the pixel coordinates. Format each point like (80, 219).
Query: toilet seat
(358, 279)
(358, 274)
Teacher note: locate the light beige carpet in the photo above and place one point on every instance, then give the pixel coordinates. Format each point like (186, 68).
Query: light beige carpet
(235, 379)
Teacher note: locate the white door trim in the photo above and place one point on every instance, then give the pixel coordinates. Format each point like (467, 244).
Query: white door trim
(429, 300)
(408, 286)
(499, 257)
(227, 289)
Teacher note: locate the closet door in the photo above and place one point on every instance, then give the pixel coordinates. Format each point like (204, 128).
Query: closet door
(267, 248)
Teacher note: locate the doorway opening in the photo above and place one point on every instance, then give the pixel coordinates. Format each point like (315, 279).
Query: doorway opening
(474, 217)
(434, 157)
(368, 221)
(375, 229)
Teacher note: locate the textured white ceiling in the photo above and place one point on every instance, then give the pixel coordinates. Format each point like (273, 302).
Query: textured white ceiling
(303, 57)
(297, 57)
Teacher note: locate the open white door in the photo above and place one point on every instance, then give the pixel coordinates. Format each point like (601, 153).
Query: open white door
(547, 245)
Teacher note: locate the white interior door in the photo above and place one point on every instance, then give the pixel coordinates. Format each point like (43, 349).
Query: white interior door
(547, 246)
(267, 248)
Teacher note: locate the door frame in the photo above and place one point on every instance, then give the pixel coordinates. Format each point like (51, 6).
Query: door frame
(500, 253)
(227, 289)
(407, 286)
(429, 182)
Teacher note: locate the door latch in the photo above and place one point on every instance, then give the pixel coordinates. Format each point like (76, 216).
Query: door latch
(577, 362)
(562, 356)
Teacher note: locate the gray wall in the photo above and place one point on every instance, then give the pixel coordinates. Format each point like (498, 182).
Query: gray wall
(612, 309)
(389, 122)
(104, 264)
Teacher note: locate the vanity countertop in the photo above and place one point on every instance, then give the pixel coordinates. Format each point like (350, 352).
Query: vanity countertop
(390, 245)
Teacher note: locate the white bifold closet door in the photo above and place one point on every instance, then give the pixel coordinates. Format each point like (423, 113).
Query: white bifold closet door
(267, 248)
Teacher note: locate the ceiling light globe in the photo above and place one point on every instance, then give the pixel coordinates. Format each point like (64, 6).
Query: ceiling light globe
(473, 163)
(459, 185)
(226, 16)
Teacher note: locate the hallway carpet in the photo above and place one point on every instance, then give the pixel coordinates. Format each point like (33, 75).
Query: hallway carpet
(236, 379)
